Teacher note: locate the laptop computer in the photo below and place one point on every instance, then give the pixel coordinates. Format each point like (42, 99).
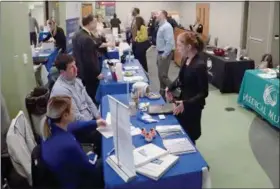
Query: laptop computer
(160, 109)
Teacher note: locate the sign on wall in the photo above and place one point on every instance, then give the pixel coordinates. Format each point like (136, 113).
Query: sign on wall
(72, 26)
(73, 10)
(73, 14)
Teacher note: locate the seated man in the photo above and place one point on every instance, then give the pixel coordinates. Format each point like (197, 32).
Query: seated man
(68, 84)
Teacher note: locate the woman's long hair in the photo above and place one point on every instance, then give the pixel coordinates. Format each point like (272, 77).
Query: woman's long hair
(139, 22)
(57, 107)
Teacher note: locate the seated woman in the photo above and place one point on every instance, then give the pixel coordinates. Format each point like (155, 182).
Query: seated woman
(61, 152)
(193, 82)
(57, 33)
(266, 62)
(141, 42)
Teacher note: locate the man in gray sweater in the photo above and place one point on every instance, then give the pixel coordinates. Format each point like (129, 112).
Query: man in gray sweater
(68, 84)
(33, 26)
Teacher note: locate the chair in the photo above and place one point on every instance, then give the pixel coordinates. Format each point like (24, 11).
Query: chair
(42, 177)
(20, 143)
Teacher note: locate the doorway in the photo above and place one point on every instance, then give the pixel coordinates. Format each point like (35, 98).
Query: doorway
(259, 29)
(202, 12)
(87, 9)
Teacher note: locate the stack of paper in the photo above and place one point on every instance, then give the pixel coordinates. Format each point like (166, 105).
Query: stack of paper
(133, 78)
(169, 130)
(107, 131)
(147, 153)
(128, 68)
(179, 146)
(156, 168)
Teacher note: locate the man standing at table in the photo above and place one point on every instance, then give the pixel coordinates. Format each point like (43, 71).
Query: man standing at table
(85, 52)
(165, 44)
(33, 26)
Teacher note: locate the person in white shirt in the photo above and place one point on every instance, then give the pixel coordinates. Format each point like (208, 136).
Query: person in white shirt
(100, 24)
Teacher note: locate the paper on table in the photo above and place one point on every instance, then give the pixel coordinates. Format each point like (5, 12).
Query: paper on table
(107, 131)
(133, 78)
(178, 146)
(131, 68)
(209, 52)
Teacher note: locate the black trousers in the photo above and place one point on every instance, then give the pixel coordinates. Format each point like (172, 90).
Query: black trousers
(86, 139)
(140, 50)
(33, 38)
(91, 88)
(190, 120)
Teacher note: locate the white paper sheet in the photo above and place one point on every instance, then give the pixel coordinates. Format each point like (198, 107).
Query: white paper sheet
(178, 146)
(107, 132)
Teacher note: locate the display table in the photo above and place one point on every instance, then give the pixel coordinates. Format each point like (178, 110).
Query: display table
(227, 74)
(109, 86)
(187, 173)
(41, 57)
(261, 95)
(42, 36)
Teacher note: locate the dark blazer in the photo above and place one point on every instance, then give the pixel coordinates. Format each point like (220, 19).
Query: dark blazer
(60, 39)
(193, 82)
(85, 53)
(115, 23)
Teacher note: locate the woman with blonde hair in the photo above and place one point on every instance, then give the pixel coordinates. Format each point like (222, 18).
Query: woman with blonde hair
(193, 83)
(61, 152)
(57, 33)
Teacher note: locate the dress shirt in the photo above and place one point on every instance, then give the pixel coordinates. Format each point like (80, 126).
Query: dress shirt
(165, 38)
(82, 104)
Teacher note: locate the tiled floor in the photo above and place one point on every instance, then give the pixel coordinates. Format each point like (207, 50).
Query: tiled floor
(242, 149)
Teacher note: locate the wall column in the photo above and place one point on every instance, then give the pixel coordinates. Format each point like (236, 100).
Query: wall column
(17, 75)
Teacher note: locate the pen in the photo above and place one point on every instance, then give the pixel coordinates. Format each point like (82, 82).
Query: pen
(109, 153)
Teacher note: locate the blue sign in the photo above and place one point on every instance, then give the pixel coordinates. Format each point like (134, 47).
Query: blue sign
(72, 26)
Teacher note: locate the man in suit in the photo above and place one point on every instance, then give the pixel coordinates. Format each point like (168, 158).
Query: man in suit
(85, 52)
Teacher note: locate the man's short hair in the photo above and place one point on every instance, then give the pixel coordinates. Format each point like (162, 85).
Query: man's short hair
(137, 10)
(87, 19)
(165, 13)
(62, 61)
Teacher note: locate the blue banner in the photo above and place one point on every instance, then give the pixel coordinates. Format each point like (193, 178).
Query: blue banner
(72, 26)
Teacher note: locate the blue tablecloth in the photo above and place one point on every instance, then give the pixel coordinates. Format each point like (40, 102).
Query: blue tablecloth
(42, 36)
(108, 86)
(187, 173)
(261, 95)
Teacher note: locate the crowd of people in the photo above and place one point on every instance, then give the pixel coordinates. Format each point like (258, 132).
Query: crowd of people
(72, 111)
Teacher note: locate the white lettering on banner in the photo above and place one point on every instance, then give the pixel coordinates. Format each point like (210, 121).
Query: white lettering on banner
(270, 95)
(262, 108)
(209, 66)
(273, 116)
(254, 103)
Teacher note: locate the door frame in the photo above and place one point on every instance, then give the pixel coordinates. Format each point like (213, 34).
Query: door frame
(270, 26)
(86, 4)
(206, 28)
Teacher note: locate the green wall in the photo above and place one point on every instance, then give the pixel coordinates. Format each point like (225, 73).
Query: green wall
(17, 78)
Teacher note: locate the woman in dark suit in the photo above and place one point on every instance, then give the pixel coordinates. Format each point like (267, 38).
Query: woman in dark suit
(193, 82)
(61, 152)
(57, 33)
